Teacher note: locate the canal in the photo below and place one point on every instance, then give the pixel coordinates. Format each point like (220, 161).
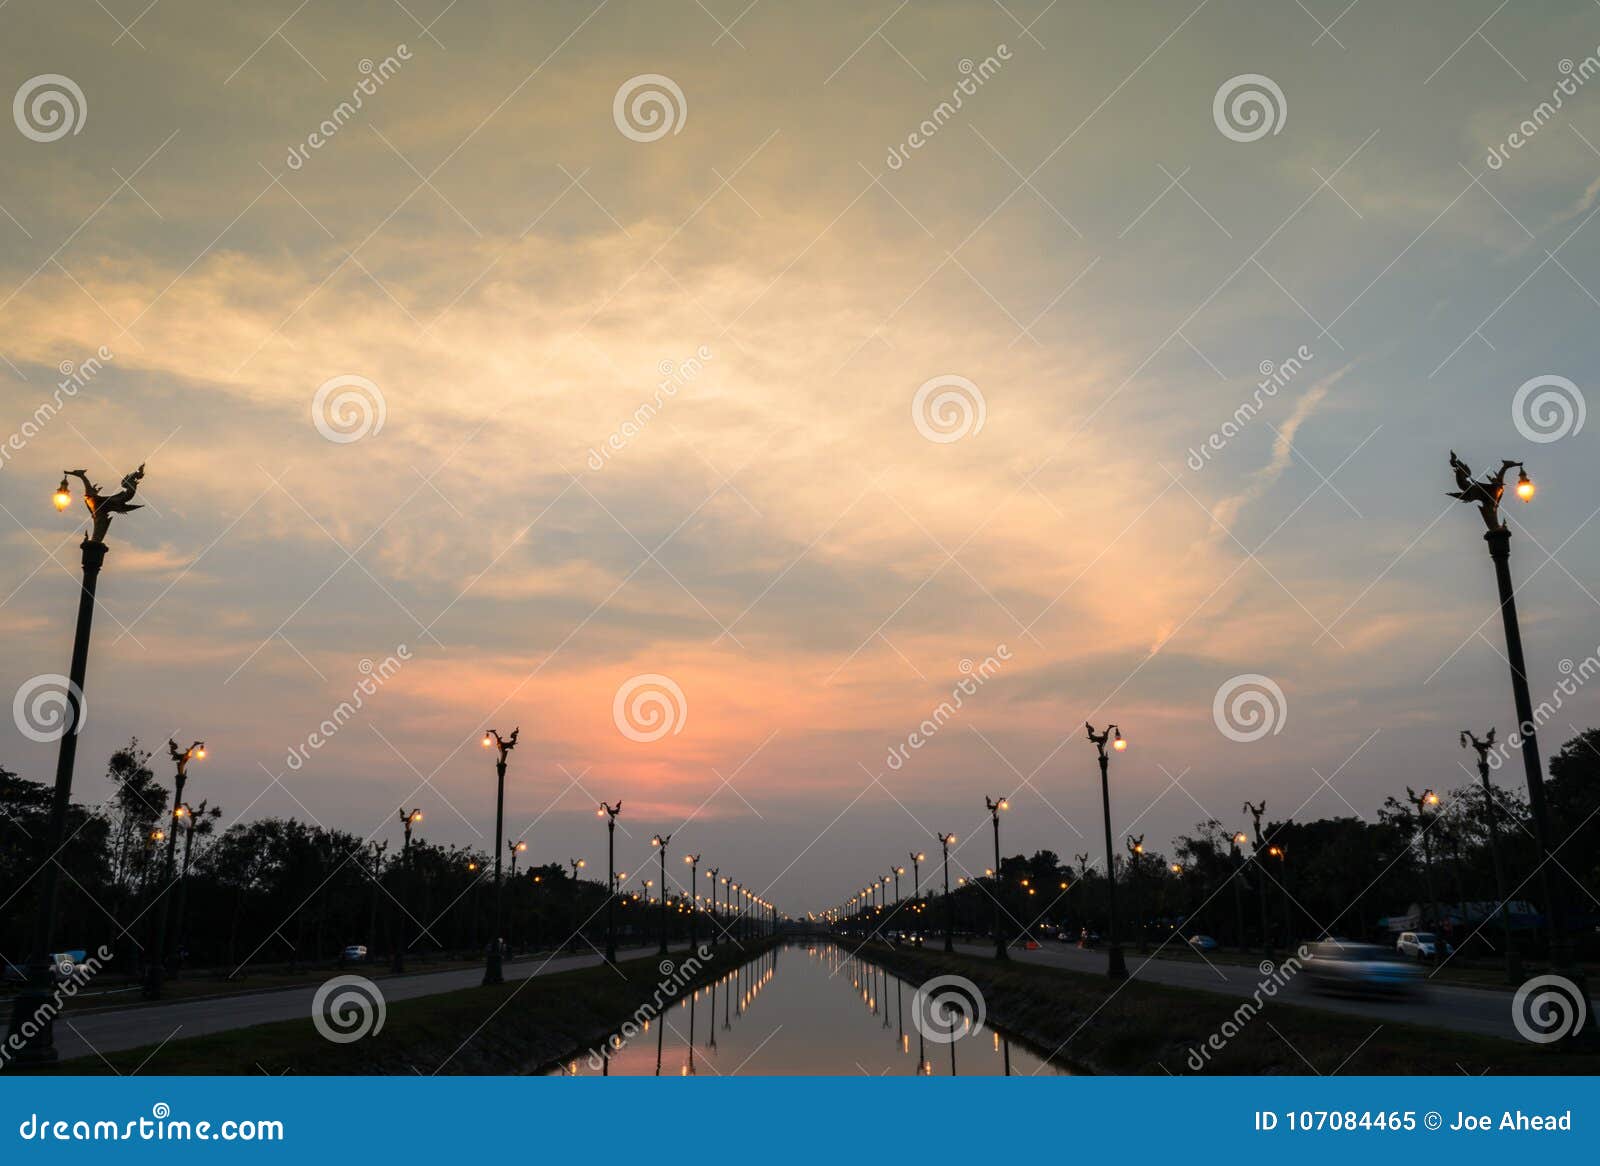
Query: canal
(812, 1009)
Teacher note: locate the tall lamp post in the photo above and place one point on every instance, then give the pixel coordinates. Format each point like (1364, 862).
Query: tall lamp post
(1427, 803)
(949, 908)
(576, 864)
(199, 819)
(408, 819)
(917, 858)
(32, 1027)
(611, 813)
(716, 926)
(1258, 847)
(155, 966)
(694, 894)
(660, 841)
(1486, 494)
(1236, 860)
(492, 971)
(1492, 812)
(999, 934)
(1135, 846)
(1115, 968)
(514, 848)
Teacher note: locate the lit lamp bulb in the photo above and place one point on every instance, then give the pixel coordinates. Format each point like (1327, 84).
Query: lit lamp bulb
(522, 847)
(1005, 803)
(1118, 743)
(1525, 486)
(200, 753)
(63, 496)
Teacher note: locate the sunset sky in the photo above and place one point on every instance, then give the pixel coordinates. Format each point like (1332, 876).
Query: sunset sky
(514, 276)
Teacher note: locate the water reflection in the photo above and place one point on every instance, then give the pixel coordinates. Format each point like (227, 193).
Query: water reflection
(829, 1013)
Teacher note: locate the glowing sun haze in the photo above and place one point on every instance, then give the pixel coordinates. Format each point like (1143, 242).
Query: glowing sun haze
(648, 409)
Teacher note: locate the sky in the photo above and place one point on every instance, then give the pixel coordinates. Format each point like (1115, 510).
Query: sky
(705, 390)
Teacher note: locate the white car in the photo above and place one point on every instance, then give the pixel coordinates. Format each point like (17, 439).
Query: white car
(1420, 945)
(355, 953)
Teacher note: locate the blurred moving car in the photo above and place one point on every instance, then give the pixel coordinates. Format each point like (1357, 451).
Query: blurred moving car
(1421, 945)
(354, 954)
(1337, 966)
(1202, 943)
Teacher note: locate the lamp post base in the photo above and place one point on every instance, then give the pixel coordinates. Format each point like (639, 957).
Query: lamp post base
(492, 970)
(1116, 969)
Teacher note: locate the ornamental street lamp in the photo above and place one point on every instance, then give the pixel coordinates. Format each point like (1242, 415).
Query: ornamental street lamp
(1427, 803)
(611, 813)
(193, 820)
(514, 847)
(1135, 846)
(999, 934)
(1257, 848)
(1486, 494)
(408, 819)
(917, 859)
(32, 1027)
(694, 895)
(1235, 862)
(180, 761)
(1492, 813)
(492, 972)
(716, 926)
(576, 864)
(660, 841)
(1115, 968)
(949, 908)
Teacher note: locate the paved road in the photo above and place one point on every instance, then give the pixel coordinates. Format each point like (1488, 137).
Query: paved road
(1475, 1010)
(116, 1029)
